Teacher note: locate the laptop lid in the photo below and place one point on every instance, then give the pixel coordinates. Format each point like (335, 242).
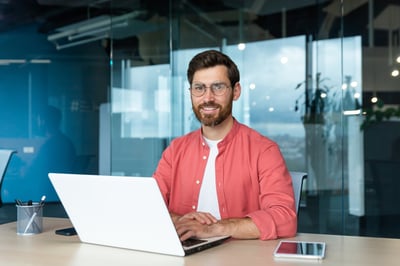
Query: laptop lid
(121, 211)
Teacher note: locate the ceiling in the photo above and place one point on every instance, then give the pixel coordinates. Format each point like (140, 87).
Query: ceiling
(261, 18)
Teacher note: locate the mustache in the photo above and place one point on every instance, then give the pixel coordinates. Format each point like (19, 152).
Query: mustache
(209, 104)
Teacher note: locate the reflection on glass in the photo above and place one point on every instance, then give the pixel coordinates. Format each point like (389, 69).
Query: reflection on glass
(56, 154)
(144, 103)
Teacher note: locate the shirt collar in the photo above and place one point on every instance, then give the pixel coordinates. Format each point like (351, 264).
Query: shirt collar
(228, 138)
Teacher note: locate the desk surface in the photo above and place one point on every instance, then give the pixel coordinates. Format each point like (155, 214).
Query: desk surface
(48, 248)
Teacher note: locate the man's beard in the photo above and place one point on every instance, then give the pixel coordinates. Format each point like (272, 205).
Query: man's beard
(211, 120)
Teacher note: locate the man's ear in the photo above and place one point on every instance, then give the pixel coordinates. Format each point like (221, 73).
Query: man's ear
(237, 90)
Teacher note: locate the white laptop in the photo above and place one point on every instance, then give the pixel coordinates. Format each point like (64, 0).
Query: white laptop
(121, 211)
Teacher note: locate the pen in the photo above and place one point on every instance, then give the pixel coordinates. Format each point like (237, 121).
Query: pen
(30, 222)
(18, 202)
(41, 203)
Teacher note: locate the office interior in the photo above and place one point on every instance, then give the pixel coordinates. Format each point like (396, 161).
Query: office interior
(321, 78)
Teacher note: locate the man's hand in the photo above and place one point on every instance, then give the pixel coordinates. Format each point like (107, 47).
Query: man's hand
(202, 225)
(195, 224)
(201, 217)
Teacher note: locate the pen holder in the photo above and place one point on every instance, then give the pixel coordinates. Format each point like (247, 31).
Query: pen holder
(29, 219)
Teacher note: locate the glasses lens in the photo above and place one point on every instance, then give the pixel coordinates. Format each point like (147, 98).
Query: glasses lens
(216, 88)
(198, 89)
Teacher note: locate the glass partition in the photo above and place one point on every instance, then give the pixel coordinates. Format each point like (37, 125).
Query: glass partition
(293, 91)
(319, 77)
(49, 100)
(302, 87)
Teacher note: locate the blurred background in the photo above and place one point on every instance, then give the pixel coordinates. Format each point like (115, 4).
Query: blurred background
(319, 77)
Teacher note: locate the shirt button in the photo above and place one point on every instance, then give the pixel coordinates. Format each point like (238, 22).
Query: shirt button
(204, 157)
(193, 207)
(197, 182)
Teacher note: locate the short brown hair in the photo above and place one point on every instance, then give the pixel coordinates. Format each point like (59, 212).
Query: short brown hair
(211, 58)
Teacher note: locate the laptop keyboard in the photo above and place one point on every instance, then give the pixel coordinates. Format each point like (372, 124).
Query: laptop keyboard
(192, 241)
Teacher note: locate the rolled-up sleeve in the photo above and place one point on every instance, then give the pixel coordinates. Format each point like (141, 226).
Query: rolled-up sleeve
(277, 216)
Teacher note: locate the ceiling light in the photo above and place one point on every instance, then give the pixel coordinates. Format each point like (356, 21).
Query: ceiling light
(40, 61)
(352, 112)
(90, 30)
(353, 84)
(241, 46)
(12, 61)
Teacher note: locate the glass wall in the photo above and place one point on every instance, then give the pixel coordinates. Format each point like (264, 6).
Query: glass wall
(305, 85)
(318, 77)
(49, 113)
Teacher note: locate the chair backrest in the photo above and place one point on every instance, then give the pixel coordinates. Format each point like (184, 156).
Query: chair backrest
(5, 156)
(297, 180)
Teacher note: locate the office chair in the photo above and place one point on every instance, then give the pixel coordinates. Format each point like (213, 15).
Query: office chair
(297, 180)
(5, 156)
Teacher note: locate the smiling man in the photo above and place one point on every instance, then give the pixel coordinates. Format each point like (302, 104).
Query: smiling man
(224, 178)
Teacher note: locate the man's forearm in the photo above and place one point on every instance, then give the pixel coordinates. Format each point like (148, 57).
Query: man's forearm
(174, 217)
(240, 228)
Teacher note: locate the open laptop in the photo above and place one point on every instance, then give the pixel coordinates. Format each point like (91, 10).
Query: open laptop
(124, 212)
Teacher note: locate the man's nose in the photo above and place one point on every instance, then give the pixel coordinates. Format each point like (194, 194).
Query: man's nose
(209, 94)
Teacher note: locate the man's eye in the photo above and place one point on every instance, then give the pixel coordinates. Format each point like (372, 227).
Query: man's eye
(198, 88)
(217, 86)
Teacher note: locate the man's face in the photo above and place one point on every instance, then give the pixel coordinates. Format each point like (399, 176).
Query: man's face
(211, 109)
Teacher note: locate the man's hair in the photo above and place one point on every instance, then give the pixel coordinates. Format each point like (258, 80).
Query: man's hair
(211, 58)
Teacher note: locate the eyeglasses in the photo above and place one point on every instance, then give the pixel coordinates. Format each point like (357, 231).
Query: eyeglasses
(217, 89)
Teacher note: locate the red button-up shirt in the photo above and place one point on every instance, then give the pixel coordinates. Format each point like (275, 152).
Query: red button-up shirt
(251, 177)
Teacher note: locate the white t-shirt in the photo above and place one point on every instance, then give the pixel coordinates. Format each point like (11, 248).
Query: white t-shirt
(208, 199)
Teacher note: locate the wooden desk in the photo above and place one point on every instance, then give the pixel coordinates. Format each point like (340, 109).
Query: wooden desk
(48, 248)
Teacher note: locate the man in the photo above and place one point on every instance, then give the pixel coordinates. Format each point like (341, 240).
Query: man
(225, 178)
(57, 154)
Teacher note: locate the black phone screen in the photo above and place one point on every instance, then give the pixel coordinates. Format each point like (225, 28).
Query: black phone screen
(66, 231)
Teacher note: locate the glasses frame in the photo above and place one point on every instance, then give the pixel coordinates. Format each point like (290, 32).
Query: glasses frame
(212, 87)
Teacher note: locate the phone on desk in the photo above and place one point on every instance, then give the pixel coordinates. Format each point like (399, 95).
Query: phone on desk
(300, 250)
(66, 231)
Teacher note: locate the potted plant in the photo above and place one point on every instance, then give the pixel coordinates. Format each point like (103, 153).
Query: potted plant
(378, 113)
(320, 105)
(320, 102)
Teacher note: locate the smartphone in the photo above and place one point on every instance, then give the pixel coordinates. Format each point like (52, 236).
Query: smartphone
(66, 231)
(300, 249)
